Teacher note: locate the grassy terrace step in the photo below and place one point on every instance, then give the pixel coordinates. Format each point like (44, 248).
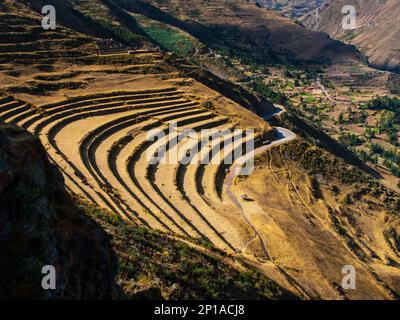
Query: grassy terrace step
(10, 105)
(192, 119)
(58, 126)
(118, 155)
(5, 100)
(78, 106)
(19, 37)
(138, 167)
(23, 47)
(185, 113)
(132, 163)
(113, 60)
(15, 111)
(113, 101)
(111, 95)
(11, 108)
(4, 57)
(94, 139)
(170, 188)
(135, 69)
(100, 110)
(19, 118)
(207, 176)
(38, 45)
(9, 18)
(15, 29)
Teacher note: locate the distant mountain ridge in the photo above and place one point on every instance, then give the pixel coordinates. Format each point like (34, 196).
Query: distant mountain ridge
(378, 29)
(247, 30)
(292, 8)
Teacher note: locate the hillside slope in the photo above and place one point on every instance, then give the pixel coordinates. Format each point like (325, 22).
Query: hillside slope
(299, 218)
(245, 29)
(292, 8)
(377, 32)
(95, 254)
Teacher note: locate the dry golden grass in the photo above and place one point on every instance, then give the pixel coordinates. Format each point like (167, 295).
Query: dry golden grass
(311, 233)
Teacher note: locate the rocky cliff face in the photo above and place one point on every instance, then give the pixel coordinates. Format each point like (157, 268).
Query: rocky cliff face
(39, 225)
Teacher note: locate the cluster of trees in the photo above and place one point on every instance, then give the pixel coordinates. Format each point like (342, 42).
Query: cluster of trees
(169, 39)
(353, 116)
(364, 156)
(392, 167)
(307, 76)
(350, 140)
(392, 134)
(390, 155)
(391, 158)
(394, 84)
(269, 94)
(388, 119)
(384, 103)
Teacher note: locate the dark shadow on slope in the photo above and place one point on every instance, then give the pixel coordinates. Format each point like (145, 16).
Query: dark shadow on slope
(71, 18)
(41, 225)
(284, 44)
(292, 121)
(226, 88)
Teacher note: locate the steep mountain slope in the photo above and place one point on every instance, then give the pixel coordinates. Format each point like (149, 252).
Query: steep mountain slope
(95, 254)
(299, 218)
(244, 29)
(377, 33)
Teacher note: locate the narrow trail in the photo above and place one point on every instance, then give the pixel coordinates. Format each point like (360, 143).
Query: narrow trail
(347, 248)
(294, 187)
(286, 136)
(326, 93)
